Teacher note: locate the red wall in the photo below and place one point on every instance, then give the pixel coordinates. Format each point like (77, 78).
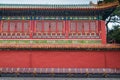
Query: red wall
(60, 59)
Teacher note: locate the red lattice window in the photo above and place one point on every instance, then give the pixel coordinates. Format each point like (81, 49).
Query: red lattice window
(60, 26)
(72, 27)
(19, 27)
(46, 26)
(53, 26)
(12, 26)
(39, 26)
(79, 26)
(5, 27)
(92, 27)
(86, 27)
(26, 26)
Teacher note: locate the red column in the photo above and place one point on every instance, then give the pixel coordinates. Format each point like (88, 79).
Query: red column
(103, 31)
(82, 27)
(76, 26)
(0, 26)
(8, 26)
(15, 26)
(67, 28)
(22, 26)
(49, 27)
(89, 26)
(97, 29)
(42, 26)
(64, 27)
(32, 26)
(56, 26)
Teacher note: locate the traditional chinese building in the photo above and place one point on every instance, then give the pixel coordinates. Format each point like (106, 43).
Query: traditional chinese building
(33, 26)
(59, 23)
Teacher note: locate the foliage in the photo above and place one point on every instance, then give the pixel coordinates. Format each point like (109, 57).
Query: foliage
(114, 34)
(106, 1)
(114, 17)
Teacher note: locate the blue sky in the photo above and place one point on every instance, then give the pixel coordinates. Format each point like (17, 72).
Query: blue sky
(47, 1)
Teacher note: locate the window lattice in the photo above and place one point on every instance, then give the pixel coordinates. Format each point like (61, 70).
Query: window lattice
(5, 26)
(86, 27)
(39, 27)
(53, 26)
(72, 27)
(93, 26)
(19, 27)
(60, 26)
(26, 26)
(12, 26)
(46, 26)
(79, 28)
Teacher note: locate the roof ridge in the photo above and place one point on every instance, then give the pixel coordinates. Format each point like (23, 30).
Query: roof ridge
(49, 4)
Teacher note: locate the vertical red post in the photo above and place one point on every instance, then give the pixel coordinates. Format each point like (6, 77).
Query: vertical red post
(56, 26)
(0, 26)
(42, 26)
(76, 26)
(89, 26)
(82, 27)
(22, 26)
(49, 27)
(64, 27)
(31, 28)
(33, 25)
(67, 28)
(15, 26)
(103, 31)
(9, 26)
(97, 29)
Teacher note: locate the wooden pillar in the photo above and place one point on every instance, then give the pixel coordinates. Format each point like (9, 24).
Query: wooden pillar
(15, 26)
(96, 24)
(82, 27)
(56, 26)
(103, 31)
(22, 26)
(64, 27)
(34, 22)
(67, 28)
(49, 27)
(76, 27)
(89, 22)
(42, 26)
(32, 28)
(0, 25)
(8, 26)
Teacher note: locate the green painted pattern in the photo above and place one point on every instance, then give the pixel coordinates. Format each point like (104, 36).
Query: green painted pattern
(50, 41)
(50, 18)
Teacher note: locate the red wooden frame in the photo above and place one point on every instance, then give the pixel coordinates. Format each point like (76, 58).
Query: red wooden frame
(65, 30)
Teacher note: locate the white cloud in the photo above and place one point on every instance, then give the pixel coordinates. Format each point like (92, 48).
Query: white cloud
(110, 25)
